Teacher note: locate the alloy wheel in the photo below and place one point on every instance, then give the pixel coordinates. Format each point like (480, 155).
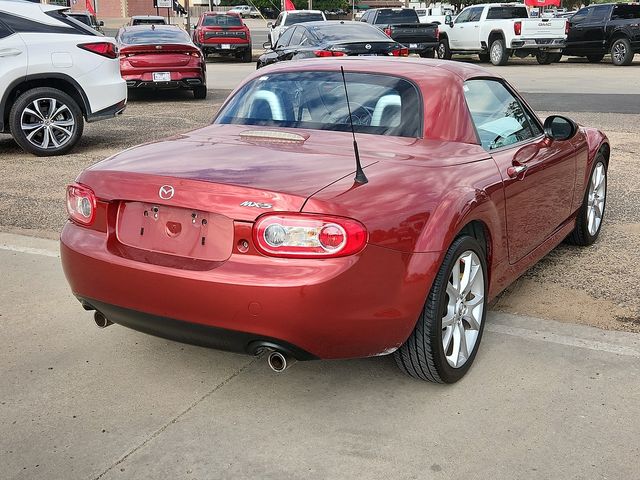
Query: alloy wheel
(441, 51)
(47, 123)
(596, 198)
(462, 319)
(619, 51)
(496, 53)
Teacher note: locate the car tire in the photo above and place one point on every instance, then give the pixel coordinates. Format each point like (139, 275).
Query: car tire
(621, 53)
(594, 58)
(593, 206)
(424, 355)
(484, 57)
(431, 53)
(247, 56)
(443, 51)
(498, 53)
(200, 92)
(38, 132)
(547, 58)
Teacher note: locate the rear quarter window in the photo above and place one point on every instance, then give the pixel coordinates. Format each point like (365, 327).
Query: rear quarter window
(626, 12)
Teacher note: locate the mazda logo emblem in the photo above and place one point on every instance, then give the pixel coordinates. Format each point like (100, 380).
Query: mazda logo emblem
(166, 192)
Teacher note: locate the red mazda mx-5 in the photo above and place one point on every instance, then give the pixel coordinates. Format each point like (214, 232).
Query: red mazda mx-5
(261, 232)
(161, 57)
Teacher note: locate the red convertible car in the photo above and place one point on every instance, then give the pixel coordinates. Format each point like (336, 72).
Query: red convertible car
(261, 232)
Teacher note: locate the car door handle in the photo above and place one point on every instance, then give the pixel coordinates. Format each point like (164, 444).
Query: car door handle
(10, 52)
(516, 170)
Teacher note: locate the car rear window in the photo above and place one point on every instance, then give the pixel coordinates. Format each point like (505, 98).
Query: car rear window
(294, 18)
(148, 21)
(354, 32)
(155, 35)
(504, 13)
(389, 16)
(625, 12)
(222, 21)
(380, 104)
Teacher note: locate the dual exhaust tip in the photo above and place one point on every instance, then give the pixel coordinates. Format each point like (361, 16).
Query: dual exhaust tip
(278, 361)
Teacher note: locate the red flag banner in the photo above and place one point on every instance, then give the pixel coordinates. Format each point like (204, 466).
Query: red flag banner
(288, 5)
(89, 6)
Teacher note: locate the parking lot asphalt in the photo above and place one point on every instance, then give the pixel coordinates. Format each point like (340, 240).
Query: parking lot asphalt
(543, 400)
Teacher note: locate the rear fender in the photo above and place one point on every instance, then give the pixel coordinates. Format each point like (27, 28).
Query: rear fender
(469, 205)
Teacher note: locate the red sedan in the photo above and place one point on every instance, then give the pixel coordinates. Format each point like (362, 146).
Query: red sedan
(260, 232)
(161, 57)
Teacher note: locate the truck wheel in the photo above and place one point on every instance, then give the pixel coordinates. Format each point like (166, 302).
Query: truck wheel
(621, 53)
(46, 121)
(247, 56)
(447, 335)
(484, 57)
(443, 50)
(544, 58)
(428, 53)
(595, 58)
(498, 53)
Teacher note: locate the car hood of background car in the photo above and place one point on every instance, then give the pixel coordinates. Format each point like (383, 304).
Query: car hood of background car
(253, 159)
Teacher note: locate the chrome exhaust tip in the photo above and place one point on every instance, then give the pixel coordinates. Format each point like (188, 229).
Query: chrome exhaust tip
(279, 362)
(101, 320)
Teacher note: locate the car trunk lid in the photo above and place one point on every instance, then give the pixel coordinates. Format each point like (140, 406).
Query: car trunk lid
(165, 55)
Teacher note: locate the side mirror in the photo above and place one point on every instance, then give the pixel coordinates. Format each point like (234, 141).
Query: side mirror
(448, 19)
(267, 45)
(560, 128)
(269, 24)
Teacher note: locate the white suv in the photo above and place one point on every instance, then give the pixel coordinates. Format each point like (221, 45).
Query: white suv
(55, 71)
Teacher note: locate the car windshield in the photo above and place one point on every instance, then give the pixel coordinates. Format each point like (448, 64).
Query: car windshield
(389, 16)
(302, 18)
(358, 32)
(504, 13)
(222, 21)
(156, 35)
(380, 104)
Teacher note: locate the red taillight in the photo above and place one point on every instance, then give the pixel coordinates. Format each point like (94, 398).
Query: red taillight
(299, 235)
(106, 49)
(517, 28)
(328, 53)
(567, 26)
(387, 31)
(400, 52)
(81, 204)
(201, 36)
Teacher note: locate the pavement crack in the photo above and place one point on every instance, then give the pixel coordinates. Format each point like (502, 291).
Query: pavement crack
(177, 417)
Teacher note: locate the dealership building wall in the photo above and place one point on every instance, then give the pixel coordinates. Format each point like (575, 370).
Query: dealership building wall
(119, 8)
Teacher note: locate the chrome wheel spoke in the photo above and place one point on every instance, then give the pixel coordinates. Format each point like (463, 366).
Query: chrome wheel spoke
(52, 129)
(36, 106)
(53, 139)
(474, 323)
(29, 111)
(447, 336)
(45, 139)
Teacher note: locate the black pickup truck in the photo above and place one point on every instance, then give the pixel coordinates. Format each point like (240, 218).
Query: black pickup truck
(611, 28)
(403, 25)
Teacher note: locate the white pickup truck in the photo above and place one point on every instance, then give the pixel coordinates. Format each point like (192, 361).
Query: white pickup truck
(495, 31)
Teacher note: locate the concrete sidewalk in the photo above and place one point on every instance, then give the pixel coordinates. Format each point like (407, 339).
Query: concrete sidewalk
(544, 400)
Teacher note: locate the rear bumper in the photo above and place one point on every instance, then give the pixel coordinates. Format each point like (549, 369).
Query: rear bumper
(357, 306)
(232, 49)
(193, 333)
(109, 112)
(538, 43)
(420, 47)
(179, 79)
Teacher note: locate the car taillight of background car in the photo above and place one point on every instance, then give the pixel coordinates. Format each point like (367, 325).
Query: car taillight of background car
(81, 204)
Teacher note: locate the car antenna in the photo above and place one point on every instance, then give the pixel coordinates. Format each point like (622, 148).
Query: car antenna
(360, 176)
